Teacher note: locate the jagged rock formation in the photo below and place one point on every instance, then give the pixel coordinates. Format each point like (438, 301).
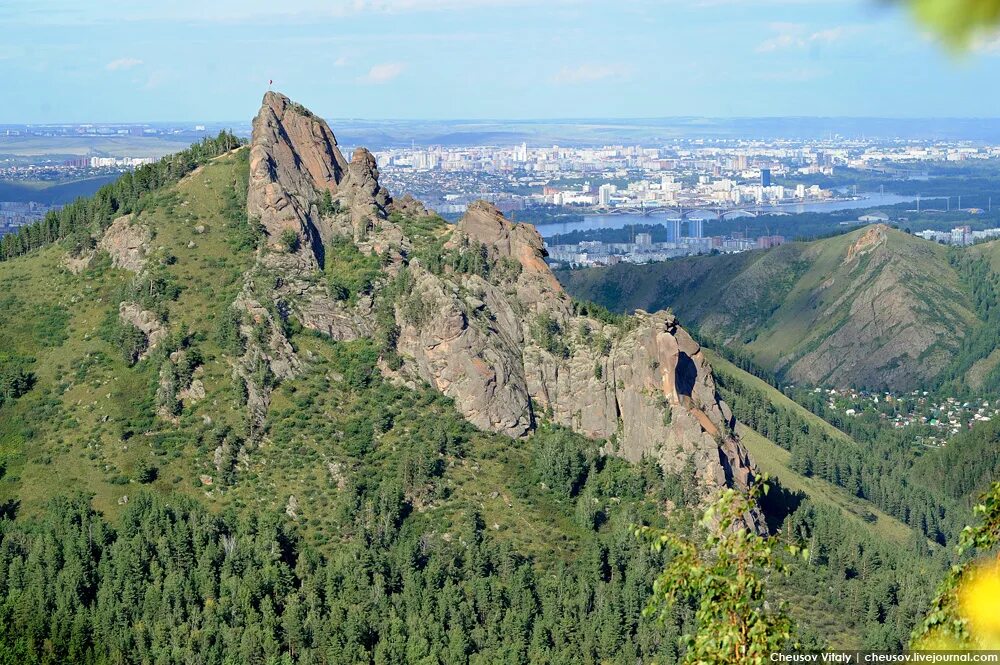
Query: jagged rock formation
(486, 323)
(367, 199)
(299, 182)
(510, 348)
(294, 158)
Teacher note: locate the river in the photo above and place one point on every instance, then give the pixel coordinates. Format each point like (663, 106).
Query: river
(592, 222)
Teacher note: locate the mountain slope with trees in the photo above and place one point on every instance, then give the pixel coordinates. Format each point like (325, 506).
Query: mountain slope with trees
(875, 308)
(228, 432)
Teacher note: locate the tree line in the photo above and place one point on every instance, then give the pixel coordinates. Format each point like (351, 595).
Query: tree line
(85, 216)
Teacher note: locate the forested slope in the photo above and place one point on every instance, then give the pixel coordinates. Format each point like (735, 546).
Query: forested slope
(874, 308)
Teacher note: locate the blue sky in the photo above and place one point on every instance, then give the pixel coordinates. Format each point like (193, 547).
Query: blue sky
(136, 60)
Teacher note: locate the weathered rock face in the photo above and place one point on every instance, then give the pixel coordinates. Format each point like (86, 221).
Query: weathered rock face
(294, 163)
(366, 198)
(459, 351)
(148, 322)
(293, 158)
(125, 241)
(510, 349)
(504, 340)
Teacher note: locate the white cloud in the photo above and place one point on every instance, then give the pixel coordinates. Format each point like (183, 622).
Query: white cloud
(341, 61)
(383, 73)
(986, 44)
(587, 73)
(122, 63)
(795, 36)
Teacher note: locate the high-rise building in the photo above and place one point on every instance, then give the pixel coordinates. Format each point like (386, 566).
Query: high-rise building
(643, 239)
(695, 228)
(765, 177)
(604, 193)
(961, 235)
(673, 227)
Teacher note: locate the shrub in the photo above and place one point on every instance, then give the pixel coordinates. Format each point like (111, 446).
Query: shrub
(146, 472)
(290, 239)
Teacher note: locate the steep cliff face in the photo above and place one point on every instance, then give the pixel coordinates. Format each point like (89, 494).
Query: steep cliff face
(477, 313)
(511, 349)
(294, 158)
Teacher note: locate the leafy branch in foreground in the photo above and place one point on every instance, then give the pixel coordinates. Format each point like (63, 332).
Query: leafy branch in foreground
(723, 576)
(958, 21)
(966, 612)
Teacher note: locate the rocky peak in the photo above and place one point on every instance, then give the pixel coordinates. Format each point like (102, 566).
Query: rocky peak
(505, 341)
(367, 199)
(873, 237)
(293, 157)
(301, 145)
(484, 223)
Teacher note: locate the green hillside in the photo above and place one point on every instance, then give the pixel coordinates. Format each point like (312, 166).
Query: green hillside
(774, 460)
(368, 521)
(351, 466)
(874, 308)
(88, 411)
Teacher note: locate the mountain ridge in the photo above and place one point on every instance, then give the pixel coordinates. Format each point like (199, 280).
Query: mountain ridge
(874, 308)
(276, 439)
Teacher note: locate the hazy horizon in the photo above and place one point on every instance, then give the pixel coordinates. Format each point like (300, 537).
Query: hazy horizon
(513, 59)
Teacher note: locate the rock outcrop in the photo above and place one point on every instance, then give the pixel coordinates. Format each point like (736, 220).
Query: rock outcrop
(126, 241)
(493, 328)
(149, 323)
(510, 349)
(873, 237)
(287, 169)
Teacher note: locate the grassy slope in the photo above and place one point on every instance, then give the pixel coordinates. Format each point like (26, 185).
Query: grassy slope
(773, 460)
(797, 324)
(64, 435)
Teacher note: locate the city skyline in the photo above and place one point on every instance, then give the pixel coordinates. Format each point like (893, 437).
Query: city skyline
(441, 59)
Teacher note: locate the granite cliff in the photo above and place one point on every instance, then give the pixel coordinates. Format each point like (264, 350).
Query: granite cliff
(471, 309)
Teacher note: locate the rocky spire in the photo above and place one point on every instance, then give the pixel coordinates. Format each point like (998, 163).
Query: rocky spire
(294, 159)
(505, 342)
(367, 199)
